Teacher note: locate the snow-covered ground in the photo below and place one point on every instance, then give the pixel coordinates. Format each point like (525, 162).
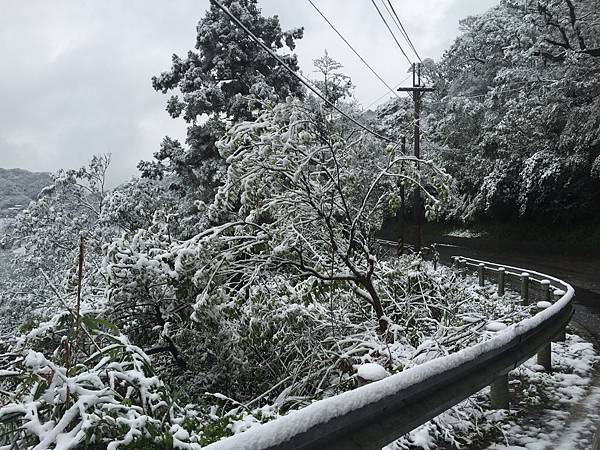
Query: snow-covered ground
(558, 410)
(465, 233)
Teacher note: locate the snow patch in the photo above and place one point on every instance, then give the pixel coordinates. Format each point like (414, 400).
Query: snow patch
(495, 326)
(466, 233)
(371, 372)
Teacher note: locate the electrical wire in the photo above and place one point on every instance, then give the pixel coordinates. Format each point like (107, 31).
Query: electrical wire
(403, 30)
(392, 90)
(501, 91)
(306, 83)
(391, 32)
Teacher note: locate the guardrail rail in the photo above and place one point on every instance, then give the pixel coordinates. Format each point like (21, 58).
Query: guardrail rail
(372, 416)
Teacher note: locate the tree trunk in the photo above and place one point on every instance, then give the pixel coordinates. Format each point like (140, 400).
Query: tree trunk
(383, 323)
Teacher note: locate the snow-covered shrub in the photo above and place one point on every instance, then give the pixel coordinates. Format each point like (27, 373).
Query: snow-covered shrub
(94, 390)
(283, 346)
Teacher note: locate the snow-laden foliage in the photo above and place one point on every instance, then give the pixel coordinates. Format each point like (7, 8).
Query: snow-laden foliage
(515, 113)
(285, 346)
(132, 205)
(42, 243)
(73, 383)
(292, 260)
(44, 240)
(144, 293)
(242, 274)
(308, 204)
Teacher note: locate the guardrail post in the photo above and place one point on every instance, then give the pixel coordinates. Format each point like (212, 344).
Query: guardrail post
(499, 393)
(544, 355)
(545, 286)
(501, 281)
(463, 267)
(525, 288)
(562, 336)
(596, 441)
(481, 273)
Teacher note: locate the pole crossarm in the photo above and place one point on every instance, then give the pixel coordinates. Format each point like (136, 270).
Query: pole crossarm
(416, 89)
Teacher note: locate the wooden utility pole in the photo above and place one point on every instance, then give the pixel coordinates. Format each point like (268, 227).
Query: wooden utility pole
(401, 239)
(417, 91)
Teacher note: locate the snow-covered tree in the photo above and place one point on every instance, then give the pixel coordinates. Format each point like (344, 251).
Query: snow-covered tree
(297, 215)
(221, 80)
(46, 239)
(517, 90)
(132, 205)
(311, 203)
(569, 27)
(331, 82)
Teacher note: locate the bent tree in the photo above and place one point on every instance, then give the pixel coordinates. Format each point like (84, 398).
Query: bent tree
(302, 202)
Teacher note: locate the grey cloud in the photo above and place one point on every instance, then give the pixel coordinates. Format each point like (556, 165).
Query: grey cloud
(76, 75)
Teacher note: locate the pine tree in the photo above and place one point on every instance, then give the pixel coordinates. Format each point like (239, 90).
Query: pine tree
(222, 81)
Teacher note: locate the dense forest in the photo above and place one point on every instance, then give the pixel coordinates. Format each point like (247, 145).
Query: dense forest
(239, 277)
(515, 115)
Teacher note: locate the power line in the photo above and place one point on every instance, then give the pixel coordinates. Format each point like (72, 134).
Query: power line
(403, 30)
(392, 90)
(388, 10)
(492, 92)
(291, 71)
(391, 32)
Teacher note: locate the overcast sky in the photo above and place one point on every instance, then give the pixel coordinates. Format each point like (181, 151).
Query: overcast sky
(76, 73)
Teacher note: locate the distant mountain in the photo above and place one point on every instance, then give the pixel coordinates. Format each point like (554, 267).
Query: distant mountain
(18, 187)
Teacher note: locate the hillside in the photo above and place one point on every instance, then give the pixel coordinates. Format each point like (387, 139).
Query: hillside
(18, 187)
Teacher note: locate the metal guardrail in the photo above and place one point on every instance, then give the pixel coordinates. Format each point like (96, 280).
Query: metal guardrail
(374, 415)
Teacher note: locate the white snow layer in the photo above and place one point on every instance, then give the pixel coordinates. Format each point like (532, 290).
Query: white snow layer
(371, 372)
(571, 401)
(495, 326)
(464, 233)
